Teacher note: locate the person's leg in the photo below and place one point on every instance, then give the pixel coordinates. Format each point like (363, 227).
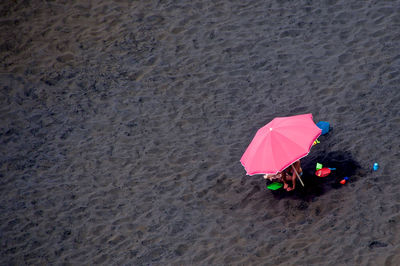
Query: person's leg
(288, 179)
(293, 180)
(283, 179)
(285, 185)
(294, 176)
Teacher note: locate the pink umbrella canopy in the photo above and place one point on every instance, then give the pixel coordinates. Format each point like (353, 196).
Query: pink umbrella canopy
(280, 143)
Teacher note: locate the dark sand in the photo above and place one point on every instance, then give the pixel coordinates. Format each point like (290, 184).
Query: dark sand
(123, 122)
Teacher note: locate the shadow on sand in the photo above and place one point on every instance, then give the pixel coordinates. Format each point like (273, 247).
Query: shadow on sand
(315, 186)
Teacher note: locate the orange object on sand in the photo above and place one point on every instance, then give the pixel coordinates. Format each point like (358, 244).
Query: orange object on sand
(323, 172)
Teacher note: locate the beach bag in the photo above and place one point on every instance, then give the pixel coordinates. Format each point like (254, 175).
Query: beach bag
(324, 126)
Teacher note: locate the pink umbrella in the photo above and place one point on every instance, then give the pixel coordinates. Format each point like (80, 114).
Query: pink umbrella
(280, 143)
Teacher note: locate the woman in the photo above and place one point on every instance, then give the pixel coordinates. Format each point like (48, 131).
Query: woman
(287, 175)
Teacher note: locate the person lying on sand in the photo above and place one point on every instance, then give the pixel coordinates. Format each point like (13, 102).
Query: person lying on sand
(287, 175)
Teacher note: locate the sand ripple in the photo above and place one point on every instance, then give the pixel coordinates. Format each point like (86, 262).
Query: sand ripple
(123, 122)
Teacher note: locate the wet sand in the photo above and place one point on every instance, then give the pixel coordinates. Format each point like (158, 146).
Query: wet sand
(123, 123)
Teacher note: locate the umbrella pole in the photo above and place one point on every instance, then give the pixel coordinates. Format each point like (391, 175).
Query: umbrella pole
(301, 181)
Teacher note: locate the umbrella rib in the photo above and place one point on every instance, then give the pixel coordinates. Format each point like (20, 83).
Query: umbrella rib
(268, 139)
(292, 143)
(252, 155)
(272, 157)
(299, 127)
(289, 140)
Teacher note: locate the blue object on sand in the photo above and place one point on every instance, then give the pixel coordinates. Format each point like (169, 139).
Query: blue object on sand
(324, 126)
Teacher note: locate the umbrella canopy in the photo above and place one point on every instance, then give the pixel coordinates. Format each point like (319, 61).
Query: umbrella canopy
(280, 143)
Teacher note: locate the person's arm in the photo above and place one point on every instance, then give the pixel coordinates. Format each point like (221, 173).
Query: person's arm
(297, 165)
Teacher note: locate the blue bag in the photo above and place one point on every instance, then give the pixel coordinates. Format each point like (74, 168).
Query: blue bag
(324, 126)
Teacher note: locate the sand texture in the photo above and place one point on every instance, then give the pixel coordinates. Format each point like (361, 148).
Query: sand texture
(122, 124)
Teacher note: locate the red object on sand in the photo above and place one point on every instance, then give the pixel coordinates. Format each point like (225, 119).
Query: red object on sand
(323, 172)
(280, 143)
(343, 181)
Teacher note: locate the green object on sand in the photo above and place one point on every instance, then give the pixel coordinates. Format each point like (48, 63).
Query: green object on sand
(319, 166)
(275, 186)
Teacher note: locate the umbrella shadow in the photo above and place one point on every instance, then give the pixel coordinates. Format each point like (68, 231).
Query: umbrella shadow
(315, 186)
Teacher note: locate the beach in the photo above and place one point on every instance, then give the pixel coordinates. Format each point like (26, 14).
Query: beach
(122, 124)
